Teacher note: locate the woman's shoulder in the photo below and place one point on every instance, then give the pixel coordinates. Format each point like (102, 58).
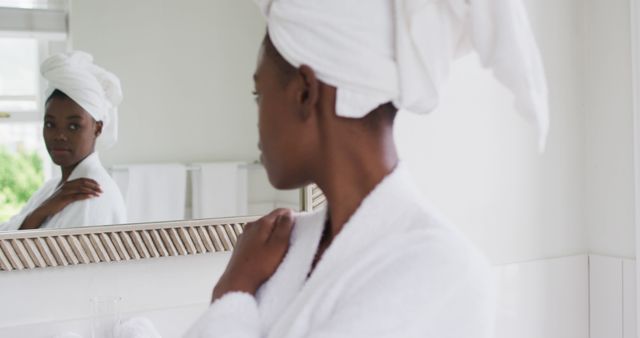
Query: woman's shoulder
(93, 169)
(422, 242)
(108, 208)
(433, 232)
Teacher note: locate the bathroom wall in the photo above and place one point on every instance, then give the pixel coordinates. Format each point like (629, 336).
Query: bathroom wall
(546, 298)
(612, 297)
(476, 158)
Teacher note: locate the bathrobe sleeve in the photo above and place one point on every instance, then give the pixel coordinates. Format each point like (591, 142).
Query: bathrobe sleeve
(416, 294)
(103, 210)
(97, 211)
(34, 201)
(235, 314)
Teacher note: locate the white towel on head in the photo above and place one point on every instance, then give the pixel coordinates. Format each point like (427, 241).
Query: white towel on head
(93, 88)
(400, 51)
(219, 190)
(153, 192)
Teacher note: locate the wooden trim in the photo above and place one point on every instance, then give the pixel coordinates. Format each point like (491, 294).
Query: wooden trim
(30, 249)
(313, 198)
(318, 200)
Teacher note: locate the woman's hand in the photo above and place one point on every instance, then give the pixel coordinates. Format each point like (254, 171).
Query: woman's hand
(257, 254)
(71, 191)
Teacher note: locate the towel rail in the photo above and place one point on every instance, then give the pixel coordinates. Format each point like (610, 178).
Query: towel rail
(193, 167)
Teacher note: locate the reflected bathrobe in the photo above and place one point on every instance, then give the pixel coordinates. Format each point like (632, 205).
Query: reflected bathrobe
(396, 269)
(106, 209)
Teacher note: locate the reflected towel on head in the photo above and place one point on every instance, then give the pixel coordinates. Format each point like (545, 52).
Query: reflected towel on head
(410, 45)
(93, 88)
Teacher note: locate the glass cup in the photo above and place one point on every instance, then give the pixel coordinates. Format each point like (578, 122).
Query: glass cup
(105, 315)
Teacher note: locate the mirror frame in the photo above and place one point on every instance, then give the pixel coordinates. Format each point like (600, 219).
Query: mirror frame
(30, 249)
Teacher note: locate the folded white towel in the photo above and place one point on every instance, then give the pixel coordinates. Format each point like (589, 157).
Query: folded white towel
(219, 189)
(153, 192)
(137, 327)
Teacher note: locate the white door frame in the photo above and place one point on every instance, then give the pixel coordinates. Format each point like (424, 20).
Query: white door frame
(635, 63)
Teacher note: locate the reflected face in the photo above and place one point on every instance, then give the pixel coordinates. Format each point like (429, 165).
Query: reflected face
(281, 130)
(69, 132)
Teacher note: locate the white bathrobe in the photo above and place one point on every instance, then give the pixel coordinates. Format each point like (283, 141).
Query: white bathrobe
(106, 209)
(397, 269)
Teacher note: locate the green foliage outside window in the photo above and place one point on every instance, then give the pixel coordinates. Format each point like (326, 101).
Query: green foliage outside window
(21, 174)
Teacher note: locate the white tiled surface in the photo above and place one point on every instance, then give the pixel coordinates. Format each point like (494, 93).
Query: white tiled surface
(543, 299)
(629, 327)
(539, 299)
(605, 278)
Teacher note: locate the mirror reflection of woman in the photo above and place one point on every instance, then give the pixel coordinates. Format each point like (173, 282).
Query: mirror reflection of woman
(80, 111)
(379, 261)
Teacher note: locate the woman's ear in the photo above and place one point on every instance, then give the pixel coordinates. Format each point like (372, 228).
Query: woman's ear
(98, 130)
(309, 91)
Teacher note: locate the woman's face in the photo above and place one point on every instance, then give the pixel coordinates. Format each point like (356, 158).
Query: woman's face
(283, 133)
(69, 131)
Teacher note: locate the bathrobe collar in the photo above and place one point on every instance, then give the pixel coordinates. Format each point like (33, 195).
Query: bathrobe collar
(380, 213)
(86, 166)
(377, 216)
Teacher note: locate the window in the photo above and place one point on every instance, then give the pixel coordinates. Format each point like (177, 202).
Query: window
(30, 31)
(35, 4)
(19, 77)
(22, 165)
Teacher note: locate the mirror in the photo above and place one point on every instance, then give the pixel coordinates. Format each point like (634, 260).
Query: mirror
(187, 144)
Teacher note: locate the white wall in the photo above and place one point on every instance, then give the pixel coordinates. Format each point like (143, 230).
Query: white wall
(477, 159)
(609, 187)
(612, 297)
(544, 299)
(184, 100)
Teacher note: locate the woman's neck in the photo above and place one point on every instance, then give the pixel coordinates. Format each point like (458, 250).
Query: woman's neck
(66, 171)
(351, 172)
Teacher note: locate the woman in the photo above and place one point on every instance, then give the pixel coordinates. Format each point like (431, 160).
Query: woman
(379, 261)
(80, 109)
